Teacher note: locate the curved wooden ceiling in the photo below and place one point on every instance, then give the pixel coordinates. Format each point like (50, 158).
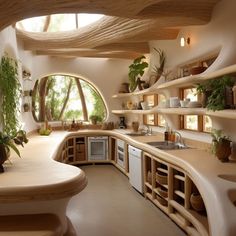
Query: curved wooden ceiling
(124, 32)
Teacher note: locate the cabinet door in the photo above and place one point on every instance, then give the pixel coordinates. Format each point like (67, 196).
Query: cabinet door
(80, 152)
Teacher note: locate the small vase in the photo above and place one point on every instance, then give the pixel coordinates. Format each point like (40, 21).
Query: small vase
(197, 202)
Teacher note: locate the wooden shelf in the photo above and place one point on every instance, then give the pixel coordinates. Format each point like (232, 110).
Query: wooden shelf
(137, 93)
(228, 113)
(148, 185)
(182, 82)
(158, 204)
(162, 170)
(133, 111)
(180, 194)
(182, 111)
(179, 177)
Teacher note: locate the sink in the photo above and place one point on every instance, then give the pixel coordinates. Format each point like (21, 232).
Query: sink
(136, 134)
(164, 145)
(231, 178)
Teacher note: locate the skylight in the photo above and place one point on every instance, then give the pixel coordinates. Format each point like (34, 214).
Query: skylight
(58, 22)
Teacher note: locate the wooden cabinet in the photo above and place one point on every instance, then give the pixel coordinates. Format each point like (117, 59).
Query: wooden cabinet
(74, 150)
(171, 189)
(80, 149)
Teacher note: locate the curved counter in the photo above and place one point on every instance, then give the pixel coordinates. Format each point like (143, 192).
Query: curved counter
(36, 184)
(36, 177)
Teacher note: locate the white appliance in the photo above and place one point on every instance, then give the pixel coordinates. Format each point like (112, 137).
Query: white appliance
(97, 148)
(135, 168)
(120, 153)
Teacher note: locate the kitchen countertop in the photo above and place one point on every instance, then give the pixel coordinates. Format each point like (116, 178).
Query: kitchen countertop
(37, 172)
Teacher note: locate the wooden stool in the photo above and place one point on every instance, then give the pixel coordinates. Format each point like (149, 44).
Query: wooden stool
(30, 225)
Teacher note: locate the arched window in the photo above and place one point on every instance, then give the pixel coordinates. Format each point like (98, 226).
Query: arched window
(64, 97)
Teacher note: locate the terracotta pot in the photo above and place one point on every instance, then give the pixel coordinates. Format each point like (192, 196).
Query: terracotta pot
(197, 202)
(223, 149)
(3, 157)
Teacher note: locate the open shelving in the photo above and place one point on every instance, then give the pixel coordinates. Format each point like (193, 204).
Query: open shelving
(227, 113)
(74, 150)
(170, 189)
(181, 82)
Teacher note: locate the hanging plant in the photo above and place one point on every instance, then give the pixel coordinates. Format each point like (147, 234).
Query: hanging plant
(10, 95)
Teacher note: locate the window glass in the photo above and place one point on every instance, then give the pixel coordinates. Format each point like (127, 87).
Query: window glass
(191, 122)
(150, 119)
(191, 93)
(195, 122)
(62, 97)
(207, 124)
(161, 121)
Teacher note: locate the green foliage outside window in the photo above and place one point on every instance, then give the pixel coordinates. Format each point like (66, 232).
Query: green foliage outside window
(58, 97)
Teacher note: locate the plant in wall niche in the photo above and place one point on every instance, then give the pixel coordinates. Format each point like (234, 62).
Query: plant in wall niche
(136, 69)
(216, 93)
(221, 145)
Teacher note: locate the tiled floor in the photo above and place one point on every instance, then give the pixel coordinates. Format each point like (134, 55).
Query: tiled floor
(110, 206)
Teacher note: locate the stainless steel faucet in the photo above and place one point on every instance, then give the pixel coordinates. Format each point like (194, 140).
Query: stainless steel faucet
(149, 130)
(180, 138)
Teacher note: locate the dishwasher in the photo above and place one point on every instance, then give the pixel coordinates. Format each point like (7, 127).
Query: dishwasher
(135, 168)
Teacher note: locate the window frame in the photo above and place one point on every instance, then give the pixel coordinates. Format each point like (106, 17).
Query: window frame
(156, 116)
(200, 118)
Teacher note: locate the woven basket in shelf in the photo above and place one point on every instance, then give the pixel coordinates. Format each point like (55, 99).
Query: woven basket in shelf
(162, 201)
(162, 192)
(197, 202)
(161, 179)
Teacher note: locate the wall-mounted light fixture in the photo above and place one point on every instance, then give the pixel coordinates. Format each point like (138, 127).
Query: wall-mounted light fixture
(184, 41)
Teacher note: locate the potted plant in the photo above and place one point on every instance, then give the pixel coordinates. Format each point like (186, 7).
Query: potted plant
(8, 142)
(95, 118)
(136, 69)
(221, 145)
(216, 93)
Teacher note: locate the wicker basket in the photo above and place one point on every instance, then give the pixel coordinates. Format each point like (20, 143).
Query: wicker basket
(162, 201)
(162, 192)
(161, 179)
(197, 202)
